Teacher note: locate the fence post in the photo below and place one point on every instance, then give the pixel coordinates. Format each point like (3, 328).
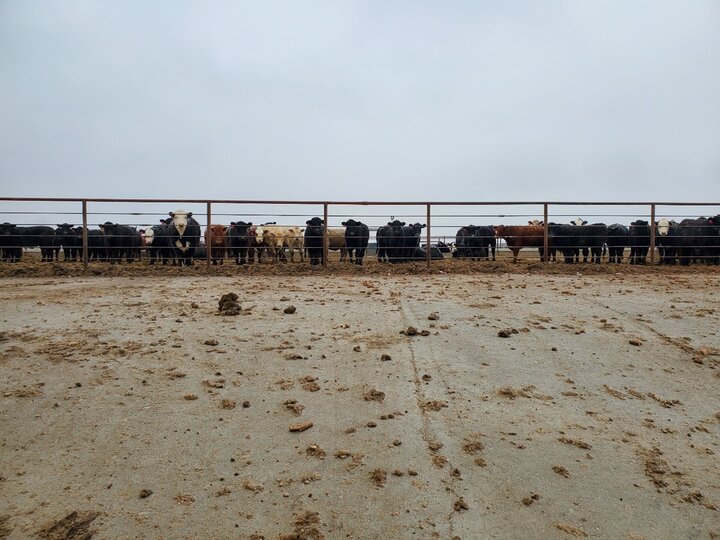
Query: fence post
(652, 234)
(428, 246)
(546, 239)
(84, 234)
(208, 235)
(326, 240)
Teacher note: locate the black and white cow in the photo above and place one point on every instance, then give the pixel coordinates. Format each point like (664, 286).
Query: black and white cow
(617, 241)
(357, 236)
(314, 239)
(184, 236)
(665, 240)
(242, 242)
(157, 242)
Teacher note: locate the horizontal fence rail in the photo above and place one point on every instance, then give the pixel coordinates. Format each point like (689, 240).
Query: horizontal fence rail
(117, 229)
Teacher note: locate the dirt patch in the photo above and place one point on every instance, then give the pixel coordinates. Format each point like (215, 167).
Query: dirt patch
(294, 407)
(434, 405)
(571, 529)
(526, 392)
(575, 442)
(378, 477)
(374, 395)
(228, 304)
(74, 526)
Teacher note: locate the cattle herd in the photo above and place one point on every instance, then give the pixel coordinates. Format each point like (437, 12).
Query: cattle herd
(177, 240)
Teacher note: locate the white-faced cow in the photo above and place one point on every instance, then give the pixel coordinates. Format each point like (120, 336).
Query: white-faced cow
(184, 236)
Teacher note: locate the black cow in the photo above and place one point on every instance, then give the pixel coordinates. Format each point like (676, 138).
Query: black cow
(391, 242)
(412, 237)
(97, 244)
(357, 236)
(382, 236)
(184, 236)
(14, 238)
(639, 240)
(123, 241)
(617, 241)
(571, 239)
(66, 236)
(698, 239)
(476, 242)
(241, 242)
(420, 254)
(314, 239)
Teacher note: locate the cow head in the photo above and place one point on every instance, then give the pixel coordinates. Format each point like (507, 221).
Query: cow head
(416, 228)
(218, 235)
(241, 227)
(65, 229)
(663, 227)
(109, 228)
(8, 229)
(578, 222)
(314, 222)
(180, 220)
(350, 223)
(149, 235)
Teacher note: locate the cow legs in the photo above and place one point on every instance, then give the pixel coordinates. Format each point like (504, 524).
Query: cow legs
(515, 252)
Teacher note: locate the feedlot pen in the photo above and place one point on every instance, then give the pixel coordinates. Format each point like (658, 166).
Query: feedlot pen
(131, 408)
(689, 231)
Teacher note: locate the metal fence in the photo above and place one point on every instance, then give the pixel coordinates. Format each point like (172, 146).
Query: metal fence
(440, 220)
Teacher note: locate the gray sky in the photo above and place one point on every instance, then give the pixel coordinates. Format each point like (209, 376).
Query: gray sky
(367, 100)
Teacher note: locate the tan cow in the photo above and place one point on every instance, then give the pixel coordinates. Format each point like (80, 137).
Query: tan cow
(336, 240)
(273, 239)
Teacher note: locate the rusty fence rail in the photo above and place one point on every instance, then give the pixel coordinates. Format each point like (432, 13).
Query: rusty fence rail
(89, 207)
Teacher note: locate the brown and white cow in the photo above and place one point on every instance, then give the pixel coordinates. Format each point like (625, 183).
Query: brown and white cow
(216, 241)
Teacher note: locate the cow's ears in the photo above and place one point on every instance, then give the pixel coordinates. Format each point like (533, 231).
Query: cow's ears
(225, 229)
(71, 225)
(402, 223)
(232, 223)
(585, 222)
(142, 231)
(171, 214)
(344, 224)
(423, 226)
(307, 222)
(59, 225)
(189, 214)
(249, 224)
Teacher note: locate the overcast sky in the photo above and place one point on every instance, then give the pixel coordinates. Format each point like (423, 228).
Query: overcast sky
(378, 100)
